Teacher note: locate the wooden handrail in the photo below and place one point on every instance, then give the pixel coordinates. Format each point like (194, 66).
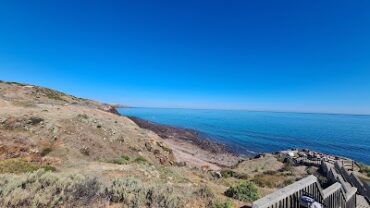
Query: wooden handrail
(288, 196)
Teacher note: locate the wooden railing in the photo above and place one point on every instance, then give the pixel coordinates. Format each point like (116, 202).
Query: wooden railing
(362, 188)
(288, 197)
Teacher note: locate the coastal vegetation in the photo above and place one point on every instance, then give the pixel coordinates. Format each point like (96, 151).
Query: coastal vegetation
(104, 159)
(121, 160)
(21, 165)
(133, 193)
(46, 189)
(227, 204)
(244, 191)
(365, 169)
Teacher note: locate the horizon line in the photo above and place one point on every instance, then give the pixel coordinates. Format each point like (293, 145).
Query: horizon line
(250, 110)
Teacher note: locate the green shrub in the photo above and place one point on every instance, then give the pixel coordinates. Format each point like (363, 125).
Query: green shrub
(365, 169)
(17, 165)
(245, 191)
(227, 204)
(140, 159)
(49, 168)
(122, 160)
(125, 157)
(20, 165)
(228, 173)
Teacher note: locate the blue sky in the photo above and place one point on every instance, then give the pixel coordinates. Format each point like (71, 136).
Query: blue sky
(309, 56)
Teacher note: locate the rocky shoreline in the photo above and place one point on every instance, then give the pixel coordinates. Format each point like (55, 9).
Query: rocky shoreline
(189, 135)
(188, 141)
(191, 146)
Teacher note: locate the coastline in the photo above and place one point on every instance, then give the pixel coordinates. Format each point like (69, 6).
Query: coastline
(191, 147)
(191, 142)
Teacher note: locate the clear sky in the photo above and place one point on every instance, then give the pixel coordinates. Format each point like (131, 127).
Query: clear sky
(298, 55)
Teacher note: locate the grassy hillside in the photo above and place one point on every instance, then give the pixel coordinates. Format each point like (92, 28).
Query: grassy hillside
(57, 150)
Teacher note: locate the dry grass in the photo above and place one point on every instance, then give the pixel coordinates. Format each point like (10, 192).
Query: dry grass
(51, 94)
(133, 193)
(47, 189)
(274, 179)
(25, 104)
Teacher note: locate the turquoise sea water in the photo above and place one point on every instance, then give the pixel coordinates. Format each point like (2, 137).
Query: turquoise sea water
(250, 132)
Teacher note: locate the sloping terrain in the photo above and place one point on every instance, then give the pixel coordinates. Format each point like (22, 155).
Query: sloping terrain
(49, 130)
(57, 150)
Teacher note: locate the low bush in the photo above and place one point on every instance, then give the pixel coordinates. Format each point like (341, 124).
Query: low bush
(20, 165)
(244, 191)
(204, 192)
(227, 204)
(365, 169)
(227, 173)
(17, 165)
(121, 160)
(49, 168)
(140, 159)
(45, 189)
(132, 193)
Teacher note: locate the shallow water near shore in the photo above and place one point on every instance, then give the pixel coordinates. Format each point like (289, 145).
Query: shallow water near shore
(249, 133)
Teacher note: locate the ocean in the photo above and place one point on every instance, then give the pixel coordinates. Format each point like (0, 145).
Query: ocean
(250, 133)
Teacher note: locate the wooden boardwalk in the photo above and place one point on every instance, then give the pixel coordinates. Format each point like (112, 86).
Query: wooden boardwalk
(341, 194)
(332, 197)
